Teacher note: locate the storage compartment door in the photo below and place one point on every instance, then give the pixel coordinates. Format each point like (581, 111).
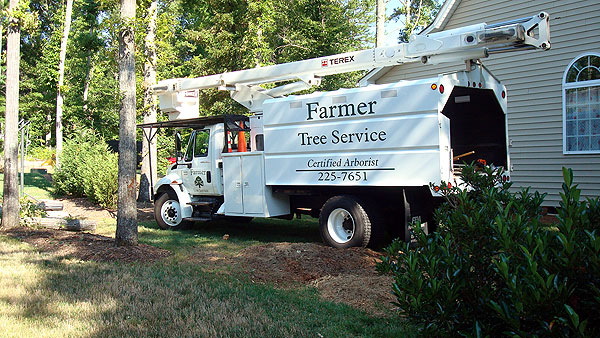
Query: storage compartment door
(253, 187)
(233, 184)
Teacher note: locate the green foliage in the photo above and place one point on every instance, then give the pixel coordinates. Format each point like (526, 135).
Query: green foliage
(41, 153)
(165, 149)
(194, 38)
(415, 15)
(224, 35)
(29, 208)
(493, 269)
(89, 169)
(21, 16)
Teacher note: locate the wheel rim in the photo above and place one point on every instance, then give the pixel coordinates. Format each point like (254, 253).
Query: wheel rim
(340, 225)
(170, 212)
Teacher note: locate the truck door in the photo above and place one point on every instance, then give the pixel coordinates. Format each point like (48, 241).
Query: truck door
(198, 178)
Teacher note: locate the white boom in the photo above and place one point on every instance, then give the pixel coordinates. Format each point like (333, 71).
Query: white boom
(456, 45)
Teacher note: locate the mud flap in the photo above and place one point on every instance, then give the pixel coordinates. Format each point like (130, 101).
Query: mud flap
(418, 208)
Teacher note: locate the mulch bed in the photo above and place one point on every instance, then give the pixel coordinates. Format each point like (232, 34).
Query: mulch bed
(86, 246)
(304, 262)
(340, 275)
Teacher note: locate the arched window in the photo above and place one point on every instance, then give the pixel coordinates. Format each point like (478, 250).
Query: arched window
(581, 105)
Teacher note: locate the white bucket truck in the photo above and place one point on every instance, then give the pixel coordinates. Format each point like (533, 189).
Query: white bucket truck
(361, 159)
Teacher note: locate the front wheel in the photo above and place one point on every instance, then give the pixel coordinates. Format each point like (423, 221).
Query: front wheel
(346, 222)
(167, 212)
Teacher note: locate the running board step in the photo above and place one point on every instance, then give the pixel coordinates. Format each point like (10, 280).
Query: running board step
(197, 219)
(201, 203)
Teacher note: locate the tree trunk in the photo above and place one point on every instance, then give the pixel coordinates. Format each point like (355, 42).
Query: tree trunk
(88, 77)
(10, 202)
(61, 79)
(380, 24)
(1, 30)
(127, 211)
(149, 152)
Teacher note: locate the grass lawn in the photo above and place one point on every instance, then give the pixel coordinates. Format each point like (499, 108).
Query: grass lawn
(36, 185)
(44, 294)
(209, 235)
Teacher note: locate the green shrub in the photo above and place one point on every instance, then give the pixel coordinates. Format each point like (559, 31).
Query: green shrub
(88, 168)
(28, 208)
(41, 153)
(493, 269)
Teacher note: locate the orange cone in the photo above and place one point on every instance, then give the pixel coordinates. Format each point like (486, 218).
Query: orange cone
(242, 139)
(228, 141)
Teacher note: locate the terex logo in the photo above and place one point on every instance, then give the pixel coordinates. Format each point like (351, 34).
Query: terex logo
(337, 61)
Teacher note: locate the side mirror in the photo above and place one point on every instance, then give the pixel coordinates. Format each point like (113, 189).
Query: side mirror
(178, 142)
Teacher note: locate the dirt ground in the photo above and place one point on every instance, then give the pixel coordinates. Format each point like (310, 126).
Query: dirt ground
(83, 209)
(340, 275)
(86, 246)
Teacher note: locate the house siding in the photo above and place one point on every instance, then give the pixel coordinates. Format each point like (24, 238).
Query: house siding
(534, 85)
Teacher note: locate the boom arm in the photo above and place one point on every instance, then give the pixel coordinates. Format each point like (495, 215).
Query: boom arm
(456, 45)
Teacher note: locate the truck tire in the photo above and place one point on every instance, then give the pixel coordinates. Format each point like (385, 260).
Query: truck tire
(346, 222)
(167, 212)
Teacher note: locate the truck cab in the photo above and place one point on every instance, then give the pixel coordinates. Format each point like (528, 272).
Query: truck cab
(192, 189)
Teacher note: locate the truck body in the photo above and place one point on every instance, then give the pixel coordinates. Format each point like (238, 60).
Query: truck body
(361, 159)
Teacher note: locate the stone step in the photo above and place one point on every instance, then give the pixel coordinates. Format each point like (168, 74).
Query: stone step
(58, 223)
(51, 205)
(57, 214)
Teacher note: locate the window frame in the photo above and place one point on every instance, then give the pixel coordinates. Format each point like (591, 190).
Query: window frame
(573, 85)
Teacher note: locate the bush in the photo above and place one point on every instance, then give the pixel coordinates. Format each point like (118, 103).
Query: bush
(41, 153)
(493, 269)
(28, 208)
(88, 168)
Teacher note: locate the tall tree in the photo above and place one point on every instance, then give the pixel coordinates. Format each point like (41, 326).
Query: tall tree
(61, 77)
(10, 202)
(127, 211)
(414, 15)
(216, 36)
(380, 23)
(148, 173)
(1, 29)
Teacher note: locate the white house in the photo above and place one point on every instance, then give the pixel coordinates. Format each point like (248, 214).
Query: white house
(553, 96)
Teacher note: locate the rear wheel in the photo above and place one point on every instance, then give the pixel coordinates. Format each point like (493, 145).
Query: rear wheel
(345, 222)
(167, 212)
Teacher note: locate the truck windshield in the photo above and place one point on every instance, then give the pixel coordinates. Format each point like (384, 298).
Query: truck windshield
(189, 139)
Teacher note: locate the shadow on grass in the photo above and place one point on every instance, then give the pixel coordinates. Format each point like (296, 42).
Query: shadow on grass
(210, 234)
(62, 297)
(37, 180)
(35, 184)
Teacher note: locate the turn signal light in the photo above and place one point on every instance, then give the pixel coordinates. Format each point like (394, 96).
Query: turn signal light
(433, 86)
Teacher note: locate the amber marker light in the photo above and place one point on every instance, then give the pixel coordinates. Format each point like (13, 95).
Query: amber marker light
(433, 86)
